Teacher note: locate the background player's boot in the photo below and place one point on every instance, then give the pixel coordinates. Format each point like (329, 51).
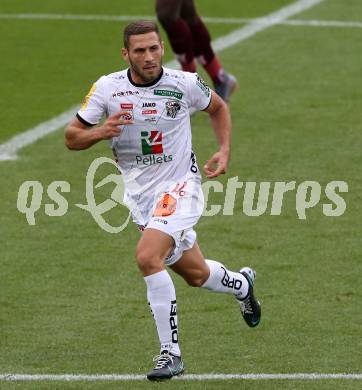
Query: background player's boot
(249, 305)
(167, 366)
(226, 87)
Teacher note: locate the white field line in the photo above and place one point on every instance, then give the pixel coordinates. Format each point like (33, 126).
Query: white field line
(188, 377)
(323, 23)
(9, 149)
(207, 19)
(270, 20)
(78, 17)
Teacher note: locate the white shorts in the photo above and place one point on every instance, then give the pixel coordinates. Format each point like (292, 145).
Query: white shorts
(175, 212)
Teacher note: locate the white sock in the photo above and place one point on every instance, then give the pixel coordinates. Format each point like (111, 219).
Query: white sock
(161, 296)
(225, 281)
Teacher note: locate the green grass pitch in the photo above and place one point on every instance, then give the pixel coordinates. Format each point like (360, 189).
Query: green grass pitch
(71, 297)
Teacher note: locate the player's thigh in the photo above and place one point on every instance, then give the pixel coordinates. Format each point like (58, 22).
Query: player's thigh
(168, 10)
(153, 247)
(192, 266)
(188, 11)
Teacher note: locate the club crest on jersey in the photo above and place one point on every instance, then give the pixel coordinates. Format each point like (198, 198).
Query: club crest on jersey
(172, 108)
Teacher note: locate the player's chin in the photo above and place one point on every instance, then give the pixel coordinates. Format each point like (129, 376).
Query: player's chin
(151, 71)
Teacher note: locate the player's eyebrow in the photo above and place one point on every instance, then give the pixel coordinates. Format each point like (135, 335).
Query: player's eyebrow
(143, 49)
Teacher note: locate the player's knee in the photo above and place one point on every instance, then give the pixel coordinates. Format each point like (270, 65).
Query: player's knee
(190, 16)
(148, 262)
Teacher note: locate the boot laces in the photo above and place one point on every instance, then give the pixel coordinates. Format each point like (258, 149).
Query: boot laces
(162, 360)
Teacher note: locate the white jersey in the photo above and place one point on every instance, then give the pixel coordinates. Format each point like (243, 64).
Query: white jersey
(156, 149)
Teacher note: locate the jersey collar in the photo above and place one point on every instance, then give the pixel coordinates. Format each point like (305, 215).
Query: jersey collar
(155, 81)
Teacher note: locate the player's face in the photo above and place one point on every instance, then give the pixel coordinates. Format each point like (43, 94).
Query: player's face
(144, 56)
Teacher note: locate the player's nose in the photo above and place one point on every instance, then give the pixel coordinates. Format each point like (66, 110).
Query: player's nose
(148, 56)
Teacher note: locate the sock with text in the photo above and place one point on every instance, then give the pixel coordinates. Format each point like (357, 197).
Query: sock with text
(225, 281)
(161, 296)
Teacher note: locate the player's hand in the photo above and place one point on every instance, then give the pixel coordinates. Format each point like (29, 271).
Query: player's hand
(111, 127)
(217, 164)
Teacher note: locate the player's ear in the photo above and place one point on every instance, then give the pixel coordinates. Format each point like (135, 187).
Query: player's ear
(124, 53)
(162, 48)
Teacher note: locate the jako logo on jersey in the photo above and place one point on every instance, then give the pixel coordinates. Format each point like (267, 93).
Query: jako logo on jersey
(151, 142)
(159, 220)
(165, 92)
(145, 105)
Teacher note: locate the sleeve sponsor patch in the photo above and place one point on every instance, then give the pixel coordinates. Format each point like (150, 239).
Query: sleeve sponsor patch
(202, 85)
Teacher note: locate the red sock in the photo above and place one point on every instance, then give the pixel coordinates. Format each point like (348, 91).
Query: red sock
(215, 70)
(187, 66)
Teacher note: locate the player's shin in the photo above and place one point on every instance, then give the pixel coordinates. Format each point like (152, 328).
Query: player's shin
(162, 299)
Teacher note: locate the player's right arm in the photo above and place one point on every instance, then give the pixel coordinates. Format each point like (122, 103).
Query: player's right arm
(79, 136)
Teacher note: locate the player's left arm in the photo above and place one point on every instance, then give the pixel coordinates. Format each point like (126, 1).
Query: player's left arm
(221, 122)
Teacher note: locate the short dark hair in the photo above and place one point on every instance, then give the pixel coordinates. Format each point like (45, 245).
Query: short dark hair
(137, 28)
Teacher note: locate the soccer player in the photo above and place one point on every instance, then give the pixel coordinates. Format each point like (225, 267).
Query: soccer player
(148, 125)
(190, 39)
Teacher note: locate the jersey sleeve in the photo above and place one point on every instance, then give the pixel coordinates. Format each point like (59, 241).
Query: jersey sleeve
(94, 104)
(199, 94)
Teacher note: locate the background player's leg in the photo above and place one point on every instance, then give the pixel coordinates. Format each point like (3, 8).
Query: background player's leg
(178, 32)
(224, 83)
(152, 249)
